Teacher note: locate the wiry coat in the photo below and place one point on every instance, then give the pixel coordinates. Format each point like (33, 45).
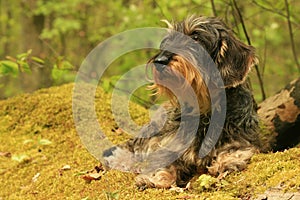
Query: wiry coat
(239, 137)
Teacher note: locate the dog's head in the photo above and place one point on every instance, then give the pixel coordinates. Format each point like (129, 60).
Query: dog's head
(180, 55)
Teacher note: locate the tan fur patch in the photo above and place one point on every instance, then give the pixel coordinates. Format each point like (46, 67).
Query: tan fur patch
(231, 161)
(193, 78)
(162, 178)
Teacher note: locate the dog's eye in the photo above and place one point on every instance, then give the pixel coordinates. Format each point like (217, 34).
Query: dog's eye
(195, 36)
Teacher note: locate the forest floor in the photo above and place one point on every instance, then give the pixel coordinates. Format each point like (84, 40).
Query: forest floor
(42, 157)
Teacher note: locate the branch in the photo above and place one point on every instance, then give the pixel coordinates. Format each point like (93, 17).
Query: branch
(249, 42)
(265, 56)
(213, 8)
(288, 17)
(242, 21)
(268, 9)
(273, 11)
(161, 10)
(144, 103)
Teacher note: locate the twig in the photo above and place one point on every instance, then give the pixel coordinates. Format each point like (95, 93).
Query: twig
(213, 8)
(249, 42)
(161, 10)
(273, 11)
(268, 9)
(242, 21)
(49, 46)
(265, 56)
(288, 17)
(144, 103)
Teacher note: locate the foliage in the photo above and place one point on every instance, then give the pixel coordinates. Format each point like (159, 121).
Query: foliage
(14, 69)
(72, 28)
(67, 16)
(112, 195)
(12, 66)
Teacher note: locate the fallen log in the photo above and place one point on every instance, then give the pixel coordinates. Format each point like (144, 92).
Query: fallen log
(280, 118)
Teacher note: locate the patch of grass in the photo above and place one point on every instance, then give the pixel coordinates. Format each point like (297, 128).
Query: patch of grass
(39, 132)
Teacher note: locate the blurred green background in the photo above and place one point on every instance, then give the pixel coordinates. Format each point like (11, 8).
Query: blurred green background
(43, 42)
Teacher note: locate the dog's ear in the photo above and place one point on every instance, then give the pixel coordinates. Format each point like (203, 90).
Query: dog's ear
(234, 59)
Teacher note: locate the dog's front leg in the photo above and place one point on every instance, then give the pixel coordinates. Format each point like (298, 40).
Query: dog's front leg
(127, 156)
(161, 178)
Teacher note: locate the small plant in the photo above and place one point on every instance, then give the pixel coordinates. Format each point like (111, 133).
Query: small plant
(39, 142)
(21, 158)
(208, 183)
(25, 67)
(13, 66)
(112, 195)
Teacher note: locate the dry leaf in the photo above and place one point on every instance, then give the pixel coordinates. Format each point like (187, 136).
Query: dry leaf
(34, 179)
(119, 131)
(5, 154)
(66, 167)
(179, 189)
(92, 176)
(99, 168)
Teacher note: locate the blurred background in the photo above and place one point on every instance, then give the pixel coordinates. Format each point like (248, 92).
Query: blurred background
(43, 42)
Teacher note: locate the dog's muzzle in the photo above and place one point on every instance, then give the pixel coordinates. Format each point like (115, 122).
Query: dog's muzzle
(162, 60)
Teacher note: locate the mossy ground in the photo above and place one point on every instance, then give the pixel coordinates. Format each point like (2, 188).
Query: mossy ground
(38, 131)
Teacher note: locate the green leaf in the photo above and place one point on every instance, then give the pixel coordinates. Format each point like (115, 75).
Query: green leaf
(44, 142)
(106, 85)
(63, 64)
(38, 60)
(112, 195)
(49, 34)
(62, 75)
(8, 67)
(25, 67)
(28, 141)
(80, 173)
(20, 158)
(205, 182)
(24, 56)
(65, 25)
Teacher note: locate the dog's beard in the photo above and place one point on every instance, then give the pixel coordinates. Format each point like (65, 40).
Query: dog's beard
(179, 75)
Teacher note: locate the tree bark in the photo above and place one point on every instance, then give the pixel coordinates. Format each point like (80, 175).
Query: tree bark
(32, 26)
(280, 117)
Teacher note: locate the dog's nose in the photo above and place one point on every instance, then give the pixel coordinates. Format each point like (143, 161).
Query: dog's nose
(162, 60)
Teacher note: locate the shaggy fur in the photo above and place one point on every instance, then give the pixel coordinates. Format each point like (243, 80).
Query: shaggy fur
(239, 138)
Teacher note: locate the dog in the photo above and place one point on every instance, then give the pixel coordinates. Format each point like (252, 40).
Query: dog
(173, 141)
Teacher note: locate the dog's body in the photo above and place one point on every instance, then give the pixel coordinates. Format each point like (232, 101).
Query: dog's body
(239, 137)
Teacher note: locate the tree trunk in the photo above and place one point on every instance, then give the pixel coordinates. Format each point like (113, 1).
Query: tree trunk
(280, 117)
(32, 26)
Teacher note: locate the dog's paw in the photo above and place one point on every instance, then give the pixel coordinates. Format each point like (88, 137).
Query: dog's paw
(119, 159)
(143, 182)
(160, 179)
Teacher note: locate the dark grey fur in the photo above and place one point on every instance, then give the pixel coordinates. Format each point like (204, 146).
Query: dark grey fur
(239, 138)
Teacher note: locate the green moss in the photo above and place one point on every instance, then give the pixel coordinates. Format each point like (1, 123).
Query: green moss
(38, 130)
